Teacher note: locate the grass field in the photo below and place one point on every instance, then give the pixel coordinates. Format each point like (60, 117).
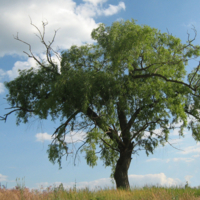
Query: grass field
(20, 192)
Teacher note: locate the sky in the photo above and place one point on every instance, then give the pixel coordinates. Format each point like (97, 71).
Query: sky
(23, 148)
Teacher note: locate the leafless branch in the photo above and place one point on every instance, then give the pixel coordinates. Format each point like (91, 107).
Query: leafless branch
(48, 47)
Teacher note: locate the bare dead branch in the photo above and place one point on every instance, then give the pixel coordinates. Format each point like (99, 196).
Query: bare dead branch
(48, 47)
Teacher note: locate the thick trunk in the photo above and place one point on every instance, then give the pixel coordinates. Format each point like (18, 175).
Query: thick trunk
(121, 170)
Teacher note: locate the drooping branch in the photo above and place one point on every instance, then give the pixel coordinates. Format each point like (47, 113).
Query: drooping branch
(64, 125)
(78, 151)
(169, 143)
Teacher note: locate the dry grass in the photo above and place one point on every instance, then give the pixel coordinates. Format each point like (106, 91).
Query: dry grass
(59, 193)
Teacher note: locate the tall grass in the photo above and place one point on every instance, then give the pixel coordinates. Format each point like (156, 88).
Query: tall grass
(20, 192)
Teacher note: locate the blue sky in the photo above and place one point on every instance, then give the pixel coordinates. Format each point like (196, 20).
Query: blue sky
(23, 148)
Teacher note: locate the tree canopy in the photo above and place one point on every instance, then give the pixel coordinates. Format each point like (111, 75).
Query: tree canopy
(120, 90)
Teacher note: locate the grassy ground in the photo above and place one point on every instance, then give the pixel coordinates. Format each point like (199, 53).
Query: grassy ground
(59, 193)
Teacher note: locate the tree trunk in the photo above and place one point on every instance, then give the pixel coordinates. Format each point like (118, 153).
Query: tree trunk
(122, 166)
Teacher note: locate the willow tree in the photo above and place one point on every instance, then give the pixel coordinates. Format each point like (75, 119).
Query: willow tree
(120, 91)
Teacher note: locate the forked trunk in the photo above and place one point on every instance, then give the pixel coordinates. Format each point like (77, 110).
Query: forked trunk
(121, 170)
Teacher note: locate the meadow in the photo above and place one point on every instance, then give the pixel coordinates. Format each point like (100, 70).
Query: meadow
(20, 192)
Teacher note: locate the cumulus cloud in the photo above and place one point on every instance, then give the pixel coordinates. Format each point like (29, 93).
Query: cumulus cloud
(95, 2)
(2, 73)
(71, 137)
(74, 20)
(2, 88)
(3, 178)
(153, 179)
(135, 181)
(14, 72)
(91, 9)
(25, 65)
(114, 9)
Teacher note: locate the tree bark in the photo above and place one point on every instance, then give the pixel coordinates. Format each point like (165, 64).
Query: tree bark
(122, 166)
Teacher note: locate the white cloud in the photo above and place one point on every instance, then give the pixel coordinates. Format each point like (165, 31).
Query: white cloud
(196, 156)
(157, 159)
(95, 2)
(114, 9)
(41, 137)
(2, 88)
(2, 73)
(3, 178)
(69, 138)
(174, 159)
(153, 159)
(188, 177)
(42, 185)
(183, 159)
(134, 180)
(91, 9)
(190, 24)
(14, 72)
(153, 179)
(191, 149)
(21, 65)
(75, 22)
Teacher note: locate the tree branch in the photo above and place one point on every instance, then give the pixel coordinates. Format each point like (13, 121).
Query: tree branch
(48, 48)
(65, 124)
(168, 80)
(109, 145)
(101, 124)
(78, 150)
(121, 117)
(15, 109)
(134, 116)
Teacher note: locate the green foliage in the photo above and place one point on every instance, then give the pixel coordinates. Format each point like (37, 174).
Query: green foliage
(56, 152)
(131, 82)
